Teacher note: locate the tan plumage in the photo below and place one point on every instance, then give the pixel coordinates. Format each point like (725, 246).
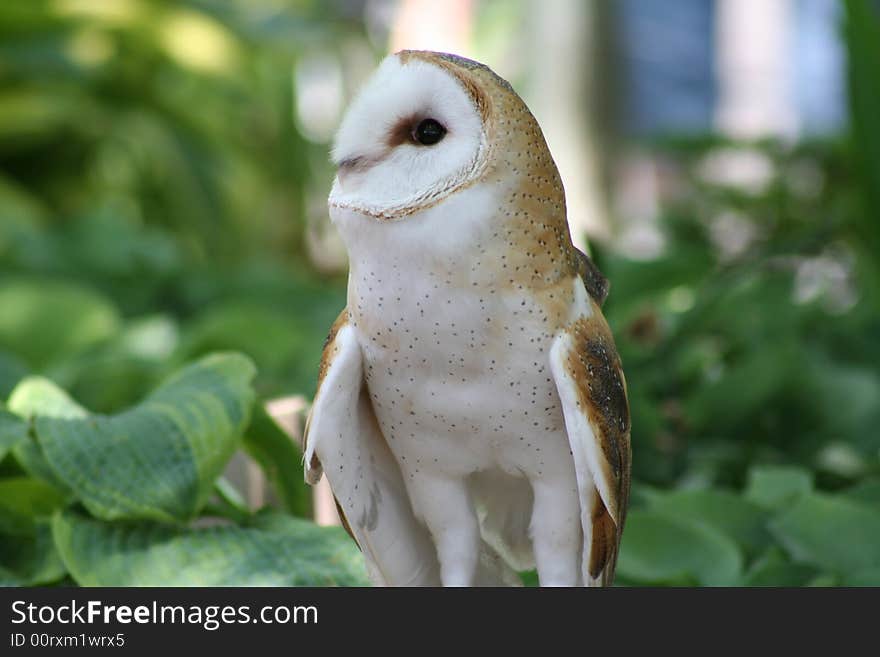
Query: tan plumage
(471, 413)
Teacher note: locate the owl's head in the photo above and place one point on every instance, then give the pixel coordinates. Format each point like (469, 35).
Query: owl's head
(423, 127)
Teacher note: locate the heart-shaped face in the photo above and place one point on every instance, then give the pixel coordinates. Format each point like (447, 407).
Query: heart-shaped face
(413, 135)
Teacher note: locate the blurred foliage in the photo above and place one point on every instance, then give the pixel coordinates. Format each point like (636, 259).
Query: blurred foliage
(154, 186)
(751, 348)
(153, 192)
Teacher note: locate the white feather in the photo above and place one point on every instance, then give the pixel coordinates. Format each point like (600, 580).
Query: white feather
(410, 174)
(364, 476)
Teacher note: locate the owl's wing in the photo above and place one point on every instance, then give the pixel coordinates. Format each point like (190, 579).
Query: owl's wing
(592, 389)
(594, 281)
(343, 438)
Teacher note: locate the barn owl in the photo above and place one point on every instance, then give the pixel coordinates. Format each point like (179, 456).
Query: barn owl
(471, 413)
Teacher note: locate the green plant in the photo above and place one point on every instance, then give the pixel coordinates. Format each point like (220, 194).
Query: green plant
(778, 531)
(137, 498)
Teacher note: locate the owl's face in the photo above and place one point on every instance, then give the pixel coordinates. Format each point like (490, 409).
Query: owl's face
(415, 134)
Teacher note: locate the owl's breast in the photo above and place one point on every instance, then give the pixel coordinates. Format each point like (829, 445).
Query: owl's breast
(457, 369)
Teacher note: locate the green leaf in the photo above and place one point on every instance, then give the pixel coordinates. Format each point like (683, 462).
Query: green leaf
(158, 460)
(745, 387)
(30, 456)
(824, 580)
(275, 550)
(12, 431)
(832, 532)
(777, 486)
(23, 500)
(867, 490)
(773, 568)
(34, 396)
(30, 560)
(724, 511)
(230, 502)
(45, 321)
(281, 461)
(662, 549)
(833, 386)
(866, 577)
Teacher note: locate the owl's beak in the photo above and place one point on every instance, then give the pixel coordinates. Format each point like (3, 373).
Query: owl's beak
(350, 163)
(346, 168)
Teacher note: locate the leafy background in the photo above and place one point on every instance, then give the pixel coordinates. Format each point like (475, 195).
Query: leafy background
(156, 289)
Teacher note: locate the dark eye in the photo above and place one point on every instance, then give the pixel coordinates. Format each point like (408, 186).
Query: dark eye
(429, 132)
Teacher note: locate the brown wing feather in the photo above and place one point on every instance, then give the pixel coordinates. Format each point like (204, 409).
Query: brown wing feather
(595, 368)
(603, 550)
(595, 282)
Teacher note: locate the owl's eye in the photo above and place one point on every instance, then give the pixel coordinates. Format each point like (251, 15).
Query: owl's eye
(429, 132)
